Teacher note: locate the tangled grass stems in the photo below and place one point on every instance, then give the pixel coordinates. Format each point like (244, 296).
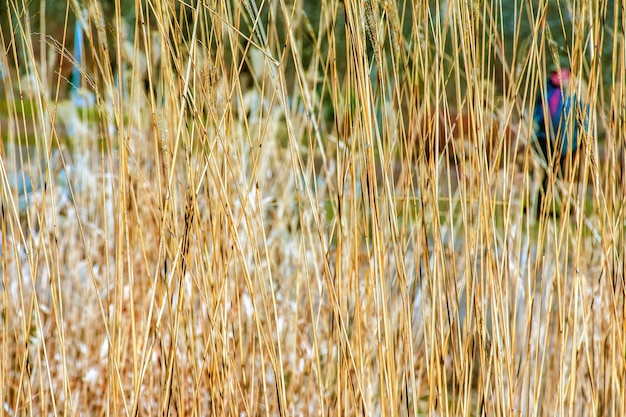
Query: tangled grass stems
(284, 208)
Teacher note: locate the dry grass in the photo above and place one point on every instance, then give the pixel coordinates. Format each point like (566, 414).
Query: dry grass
(273, 212)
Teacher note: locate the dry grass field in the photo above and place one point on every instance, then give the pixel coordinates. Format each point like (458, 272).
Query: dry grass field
(309, 208)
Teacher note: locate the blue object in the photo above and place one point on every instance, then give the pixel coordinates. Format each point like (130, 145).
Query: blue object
(78, 56)
(81, 98)
(560, 110)
(554, 137)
